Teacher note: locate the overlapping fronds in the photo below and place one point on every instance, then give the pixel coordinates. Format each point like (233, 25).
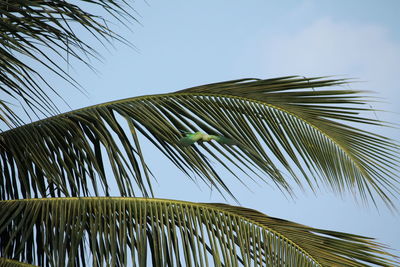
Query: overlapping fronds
(141, 231)
(278, 123)
(44, 31)
(12, 263)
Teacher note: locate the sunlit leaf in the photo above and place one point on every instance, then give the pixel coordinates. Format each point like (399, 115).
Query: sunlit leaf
(12, 263)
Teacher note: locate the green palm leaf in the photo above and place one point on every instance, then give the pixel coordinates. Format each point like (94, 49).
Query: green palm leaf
(118, 230)
(12, 263)
(277, 123)
(7, 115)
(45, 32)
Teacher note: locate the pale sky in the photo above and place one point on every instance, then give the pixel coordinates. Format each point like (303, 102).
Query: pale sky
(187, 43)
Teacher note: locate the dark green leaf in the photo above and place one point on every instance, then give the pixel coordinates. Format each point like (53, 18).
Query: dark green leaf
(46, 32)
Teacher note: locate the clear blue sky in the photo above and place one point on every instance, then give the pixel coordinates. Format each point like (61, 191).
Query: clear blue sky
(187, 43)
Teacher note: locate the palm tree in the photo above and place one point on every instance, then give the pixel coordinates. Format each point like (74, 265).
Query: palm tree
(56, 171)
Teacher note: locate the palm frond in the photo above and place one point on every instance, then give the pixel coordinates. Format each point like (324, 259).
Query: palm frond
(277, 123)
(7, 115)
(313, 123)
(12, 263)
(115, 231)
(44, 32)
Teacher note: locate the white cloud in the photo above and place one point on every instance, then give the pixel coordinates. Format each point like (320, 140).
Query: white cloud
(327, 47)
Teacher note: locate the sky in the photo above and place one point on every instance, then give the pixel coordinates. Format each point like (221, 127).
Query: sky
(179, 44)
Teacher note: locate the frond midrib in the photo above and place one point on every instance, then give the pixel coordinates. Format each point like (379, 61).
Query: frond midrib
(16, 263)
(176, 202)
(346, 152)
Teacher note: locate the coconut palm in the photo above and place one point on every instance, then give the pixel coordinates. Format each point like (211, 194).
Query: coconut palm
(56, 172)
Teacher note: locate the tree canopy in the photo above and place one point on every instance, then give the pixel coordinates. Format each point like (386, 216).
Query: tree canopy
(55, 191)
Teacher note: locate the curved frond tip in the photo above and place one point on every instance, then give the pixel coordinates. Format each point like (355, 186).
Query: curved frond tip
(115, 231)
(7, 115)
(287, 124)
